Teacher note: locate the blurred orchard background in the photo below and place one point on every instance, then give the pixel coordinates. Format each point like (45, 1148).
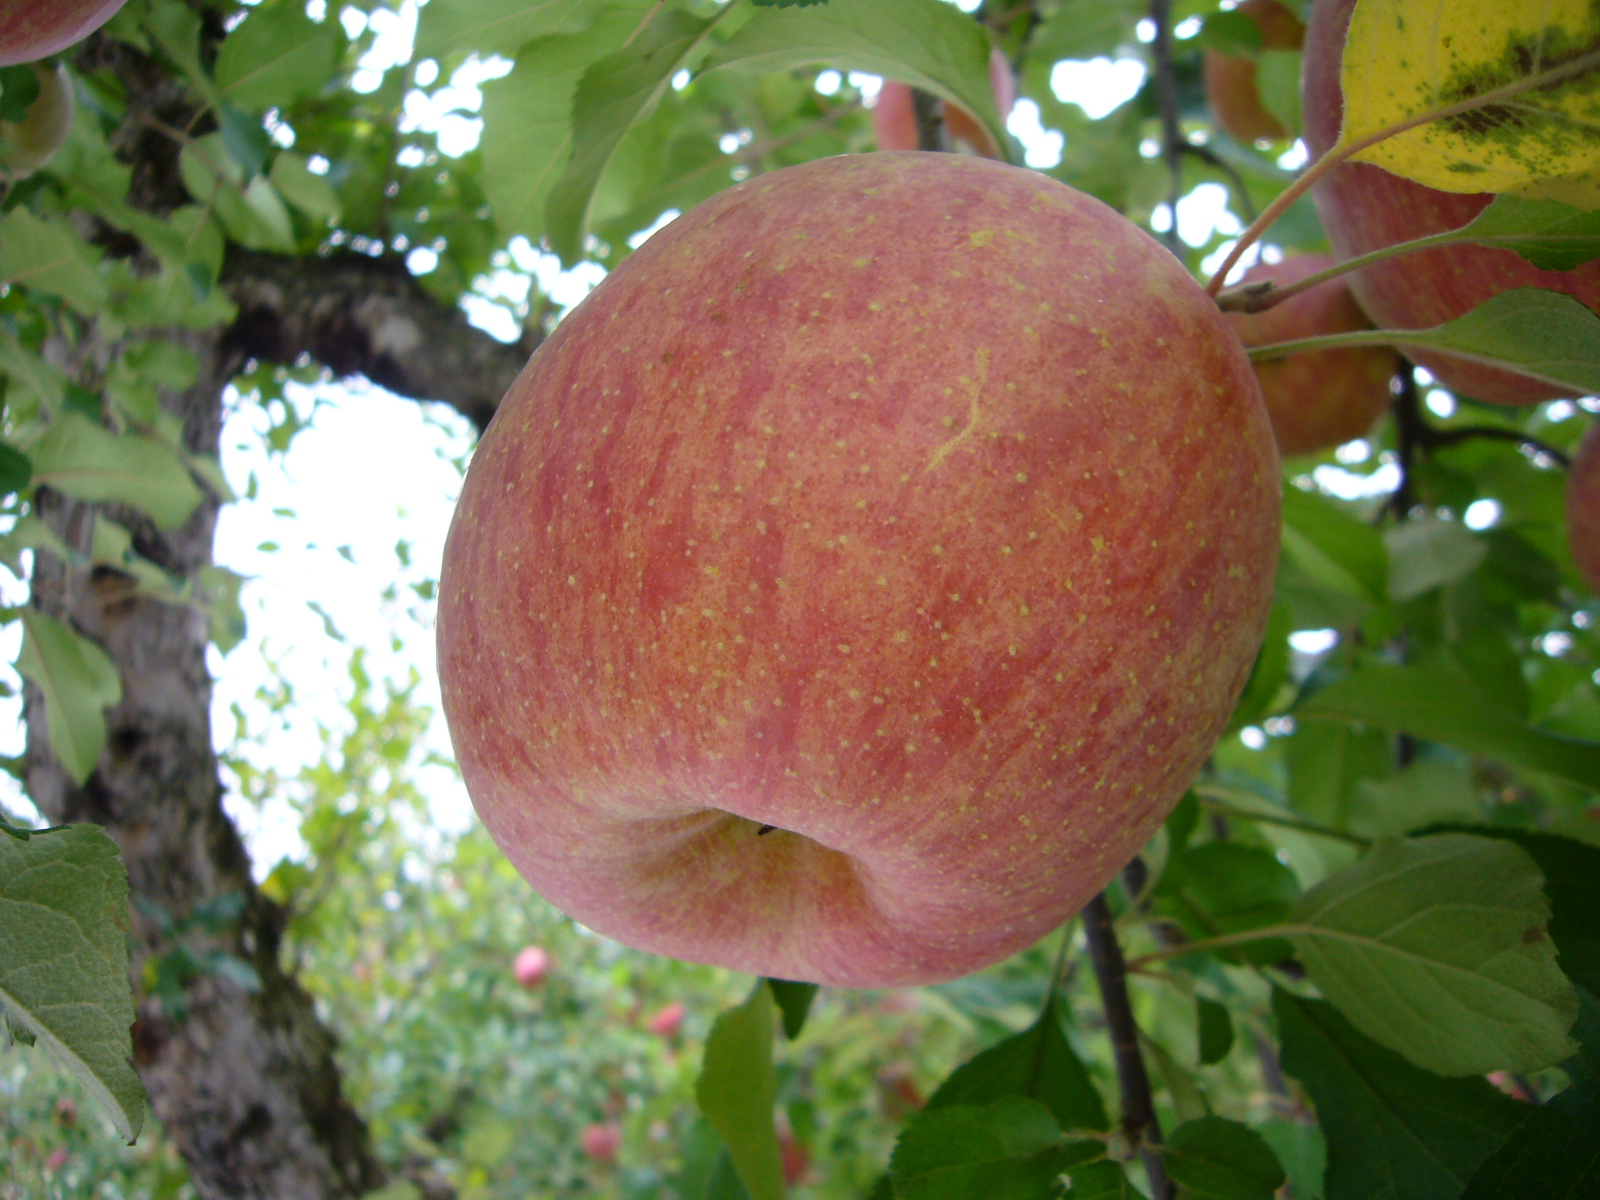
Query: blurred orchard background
(405, 922)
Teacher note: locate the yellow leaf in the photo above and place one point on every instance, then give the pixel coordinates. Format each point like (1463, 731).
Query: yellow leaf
(1406, 58)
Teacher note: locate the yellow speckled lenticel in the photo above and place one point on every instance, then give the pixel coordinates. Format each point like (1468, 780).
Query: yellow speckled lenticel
(855, 580)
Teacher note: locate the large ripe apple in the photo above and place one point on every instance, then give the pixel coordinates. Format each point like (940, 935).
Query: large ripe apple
(32, 29)
(1364, 208)
(894, 118)
(1230, 80)
(1324, 398)
(853, 582)
(1583, 508)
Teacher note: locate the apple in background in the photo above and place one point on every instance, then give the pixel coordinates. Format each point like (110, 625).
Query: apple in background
(28, 144)
(530, 966)
(668, 1021)
(898, 1092)
(601, 1141)
(1364, 208)
(1324, 398)
(1230, 80)
(1583, 508)
(895, 121)
(849, 587)
(792, 1152)
(32, 29)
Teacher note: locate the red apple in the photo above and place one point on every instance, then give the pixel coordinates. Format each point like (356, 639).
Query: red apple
(1230, 80)
(32, 29)
(668, 1021)
(602, 1141)
(530, 966)
(1583, 508)
(1327, 397)
(1364, 207)
(852, 583)
(895, 121)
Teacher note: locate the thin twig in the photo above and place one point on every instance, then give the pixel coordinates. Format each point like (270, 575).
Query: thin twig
(1139, 1121)
(1165, 83)
(929, 112)
(1212, 159)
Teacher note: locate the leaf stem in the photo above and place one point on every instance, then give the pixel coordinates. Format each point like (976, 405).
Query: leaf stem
(1253, 298)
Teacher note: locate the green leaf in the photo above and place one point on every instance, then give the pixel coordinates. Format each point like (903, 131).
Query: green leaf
(1551, 235)
(1278, 82)
(1228, 887)
(1555, 1152)
(79, 682)
(1038, 1063)
(1231, 33)
(527, 118)
(1222, 1160)
(1430, 552)
(1571, 873)
(16, 470)
(1436, 947)
(1104, 1180)
(1337, 551)
(1393, 1131)
(84, 460)
(1088, 29)
(311, 193)
(614, 93)
(64, 959)
(504, 27)
(794, 1002)
(277, 55)
(1545, 334)
(48, 257)
(1271, 667)
(1214, 1030)
(737, 1088)
(1443, 705)
(926, 43)
(1010, 1149)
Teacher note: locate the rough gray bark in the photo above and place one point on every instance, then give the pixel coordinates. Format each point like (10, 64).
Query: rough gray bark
(243, 1082)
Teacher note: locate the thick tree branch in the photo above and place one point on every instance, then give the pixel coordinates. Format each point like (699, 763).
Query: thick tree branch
(364, 316)
(1139, 1122)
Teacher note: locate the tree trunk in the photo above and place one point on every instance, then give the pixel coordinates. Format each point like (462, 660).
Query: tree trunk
(243, 1081)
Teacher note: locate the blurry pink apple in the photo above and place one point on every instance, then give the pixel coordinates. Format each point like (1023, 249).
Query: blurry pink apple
(530, 967)
(668, 1021)
(601, 1142)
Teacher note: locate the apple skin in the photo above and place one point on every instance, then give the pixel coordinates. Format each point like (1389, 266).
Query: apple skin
(894, 119)
(1583, 508)
(1230, 81)
(530, 966)
(914, 504)
(30, 143)
(32, 29)
(601, 1142)
(1323, 398)
(1364, 208)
